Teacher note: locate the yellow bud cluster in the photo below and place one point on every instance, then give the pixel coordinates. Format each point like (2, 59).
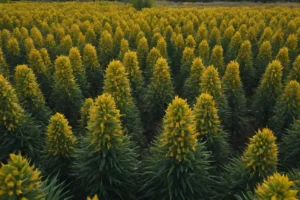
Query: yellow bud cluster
(104, 123)
(19, 180)
(261, 154)
(179, 134)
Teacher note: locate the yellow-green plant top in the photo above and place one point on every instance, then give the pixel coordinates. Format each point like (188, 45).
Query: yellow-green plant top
(11, 113)
(104, 123)
(93, 198)
(36, 63)
(188, 56)
(278, 39)
(161, 74)
(231, 80)
(202, 34)
(235, 42)
(266, 36)
(152, 57)
(190, 42)
(204, 51)
(66, 44)
(142, 51)
(118, 37)
(217, 59)
(13, 47)
(292, 42)
(46, 58)
(211, 83)
(251, 35)
(19, 180)
(197, 70)
(90, 60)
(265, 51)
(295, 71)
(155, 39)
(85, 110)
(124, 47)
(131, 65)
(37, 37)
(76, 62)
(179, 132)
(4, 69)
(272, 78)
(117, 84)
(228, 33)
(206, 115)
(261, 154)
(291, 27)
(283, 57)
(60, 140)
(179, 43)
(90, 36)
(138, 37)
(276, 187)
(215, 37)
(162, 47)
(244, 56)
(63, 76)
(291, 95)
(50, 42)
(106, 46)
(27, 86)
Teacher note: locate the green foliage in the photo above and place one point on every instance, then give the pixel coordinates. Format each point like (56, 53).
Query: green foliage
(234, 47)
(233, 89)
(117, 84)
(287, 108)
(85, 112)
(20, 180)
(176, 160)
(105, 161)
(124, 47)
(191, 86)
(186, 64)
(65, 45)
(276, 187)
(162, 47)
(215, 37)
(267, 93)
(209, 128)
(289, 148)
(66, 96)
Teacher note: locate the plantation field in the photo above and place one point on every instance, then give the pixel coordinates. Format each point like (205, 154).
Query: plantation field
(174, 102)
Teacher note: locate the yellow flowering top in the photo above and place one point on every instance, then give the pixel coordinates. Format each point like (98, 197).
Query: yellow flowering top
(13, 47)
(295, 71)
(19, 180)
(179, 132)
(211, 83)
(60, 139)
(291, 95)
(276, 187)
(204, 50)
(63, 76)
(93, 198)
(217, 59)
(11, 113)
(272, 78)
(104, 123)
(36, 62)
(206, 115)
(231, 79)
(117, 84)
(90, 60)
(131, 65)
(85, 110)
(27, 86)
(261, 154)
(162, 47)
